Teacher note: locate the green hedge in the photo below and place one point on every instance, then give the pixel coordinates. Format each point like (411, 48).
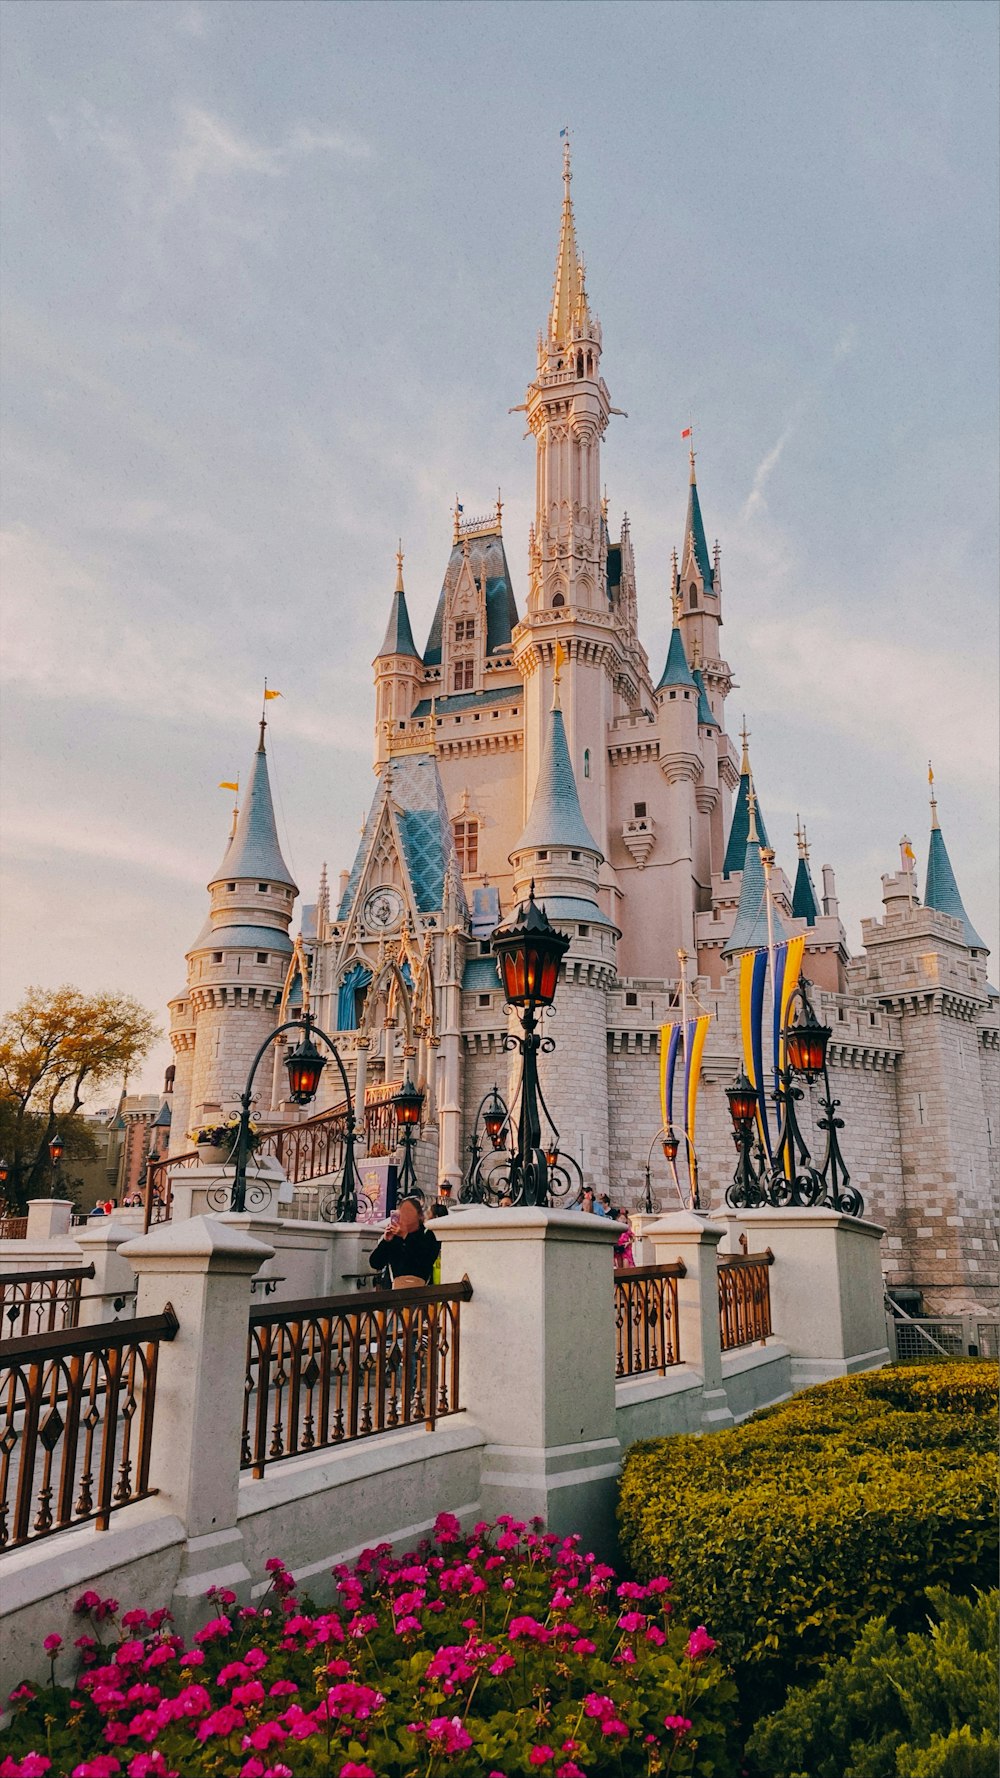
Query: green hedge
(919, 1706)
(788, 1534)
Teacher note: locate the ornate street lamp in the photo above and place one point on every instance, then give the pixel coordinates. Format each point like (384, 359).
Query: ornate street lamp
(407, 1104)
(794, 1179)
(495, 1116)
(670, 1143)
(305, 1065)
(4, 1172)
(56, 1147)
(745, 1192)
(528, 954)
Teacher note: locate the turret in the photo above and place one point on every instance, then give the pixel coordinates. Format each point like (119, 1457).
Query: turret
(752, 931)
(804, 903)
(557, 850)
(238, 962)
(398, 669)
(740, 828)
(698, 586)
(941, 889)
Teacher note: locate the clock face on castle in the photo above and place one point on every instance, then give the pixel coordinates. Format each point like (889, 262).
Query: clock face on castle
(383, 910)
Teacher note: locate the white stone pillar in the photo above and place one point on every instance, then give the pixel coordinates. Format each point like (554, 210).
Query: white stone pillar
(827, 1292)
(48, 1218)
(109, 1295)
(538, 1362)
(360, 1084)
(203, 1267)
(683, 1235)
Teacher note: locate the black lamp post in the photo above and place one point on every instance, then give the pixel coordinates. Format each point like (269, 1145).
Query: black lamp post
(528, 954)
(745, 1191)
(305, 1065)
(794, 1178)
(670, 1143)
(56, 1147)
(407, 1104)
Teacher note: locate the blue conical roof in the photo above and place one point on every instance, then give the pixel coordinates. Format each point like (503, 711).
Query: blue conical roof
(705, 717)
(253, 850)
(941, 890)
(556, 818)
(804, 904)
(398, 637)
(696, 530)
(740, 829)
(750, 931)
(676, 670)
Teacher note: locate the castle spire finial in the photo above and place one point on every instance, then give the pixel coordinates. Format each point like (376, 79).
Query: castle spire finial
(745, 738)
(800, 839)
(752, 834)
(569, 297)
(399, 567)
(499, 510)
(934, 814)
(456, 515)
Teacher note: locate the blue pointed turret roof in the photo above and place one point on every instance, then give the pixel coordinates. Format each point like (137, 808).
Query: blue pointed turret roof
(489, 564)
(411, 785)
(696, 531)
(253, 850)
(705, 717)
(804, 904)
(941, 889)
(750, 931)
(676, 670)
(556, 818)
(740, 829)
(398, 638)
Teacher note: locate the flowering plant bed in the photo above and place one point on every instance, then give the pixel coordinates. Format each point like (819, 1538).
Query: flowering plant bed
(500, 1653)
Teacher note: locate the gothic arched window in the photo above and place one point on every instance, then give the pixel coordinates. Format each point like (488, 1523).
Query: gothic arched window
(692, 595)
(558, 601)
(586, 762)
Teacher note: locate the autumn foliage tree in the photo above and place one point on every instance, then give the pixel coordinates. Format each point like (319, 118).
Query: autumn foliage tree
(56, 1049)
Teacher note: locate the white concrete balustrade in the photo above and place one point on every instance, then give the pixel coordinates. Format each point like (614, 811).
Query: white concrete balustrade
(542, 1425)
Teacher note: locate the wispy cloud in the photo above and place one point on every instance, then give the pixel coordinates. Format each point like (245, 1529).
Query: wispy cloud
(755, 501)
(211, 147)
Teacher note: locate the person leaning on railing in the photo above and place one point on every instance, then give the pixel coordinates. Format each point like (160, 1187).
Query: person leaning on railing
(407, 1250)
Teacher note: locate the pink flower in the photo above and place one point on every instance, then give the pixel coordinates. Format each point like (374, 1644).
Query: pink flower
(22, 1694)
(445, 1734)
(103, 1765)
(221, 1722)
(569, 1769)
(447, 1528)
(540, 1755)
(699, 1643)
(406, 1625)
(584, 1647)
(678, 1725)
(527, 1629)
(216, 1626)
(33, 1765)
(262, 1736)
(659, 1585)
(502, 1664)
(274, 1565)
(251, 1693)
(150, 1765)
(286, 1688)
(655, 1635)
(354, 1768)
(87, 1602)
(631, 1620)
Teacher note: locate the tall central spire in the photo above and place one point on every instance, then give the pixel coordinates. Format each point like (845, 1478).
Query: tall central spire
(570, 317)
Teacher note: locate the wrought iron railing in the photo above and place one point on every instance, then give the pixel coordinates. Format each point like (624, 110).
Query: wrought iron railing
(344, 1367)
(40, 1302)
(13, 1228)
(76, 1424)
(647, 1335)
(744, 1299)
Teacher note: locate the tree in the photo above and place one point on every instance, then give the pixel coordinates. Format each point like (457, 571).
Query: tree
(57, 1048)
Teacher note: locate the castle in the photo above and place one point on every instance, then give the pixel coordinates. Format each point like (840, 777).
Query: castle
(540, 745)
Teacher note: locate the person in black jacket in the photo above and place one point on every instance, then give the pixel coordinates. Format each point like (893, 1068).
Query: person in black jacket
(407, 1250)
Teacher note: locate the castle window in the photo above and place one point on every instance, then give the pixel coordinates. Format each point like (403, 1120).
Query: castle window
(462, 675)
(579, 364)
(584, 932)
(261, 888)
(262, 957)
(692, 595)
(586, 762)
(485, 948)
(465, 629)
(673, 694)
(638, 810)
(631, 999)
(590, 364)
(486, 1000)
(558, 601)
(467, 845)
(230, 887)
(575, 857)
(216, 956)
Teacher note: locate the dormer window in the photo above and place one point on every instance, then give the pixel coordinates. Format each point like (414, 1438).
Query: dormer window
(462, 675)
(465, 629)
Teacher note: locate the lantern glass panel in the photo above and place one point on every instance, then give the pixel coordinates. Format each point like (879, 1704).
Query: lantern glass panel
(671, 1145)
(305, 1065)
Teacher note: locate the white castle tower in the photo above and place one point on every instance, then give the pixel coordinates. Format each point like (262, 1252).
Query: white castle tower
(236, 966)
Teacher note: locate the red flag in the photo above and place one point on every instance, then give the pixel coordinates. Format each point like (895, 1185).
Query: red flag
(686, 433)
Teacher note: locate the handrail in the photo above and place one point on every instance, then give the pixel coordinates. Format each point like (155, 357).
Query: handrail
(332, 1369)
(77, 1413)
(327, 1305)
(49, 1276)
(647, 1330)
(99, 1333)
(744, 1299)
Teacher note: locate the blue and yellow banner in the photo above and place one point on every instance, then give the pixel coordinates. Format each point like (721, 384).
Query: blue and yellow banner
(692, 1037)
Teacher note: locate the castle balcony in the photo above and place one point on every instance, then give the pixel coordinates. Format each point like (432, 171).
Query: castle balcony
(639, 835)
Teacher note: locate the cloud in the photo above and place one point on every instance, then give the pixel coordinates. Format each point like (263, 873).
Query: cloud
(755, 501)
(210, 146)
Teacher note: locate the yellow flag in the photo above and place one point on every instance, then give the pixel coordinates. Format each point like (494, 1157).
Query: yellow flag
(930, 773)
(561, 657)
(909, 854)
(271, 694)
(225, 785)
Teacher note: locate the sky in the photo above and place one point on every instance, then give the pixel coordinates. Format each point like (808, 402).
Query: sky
(272, 279)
